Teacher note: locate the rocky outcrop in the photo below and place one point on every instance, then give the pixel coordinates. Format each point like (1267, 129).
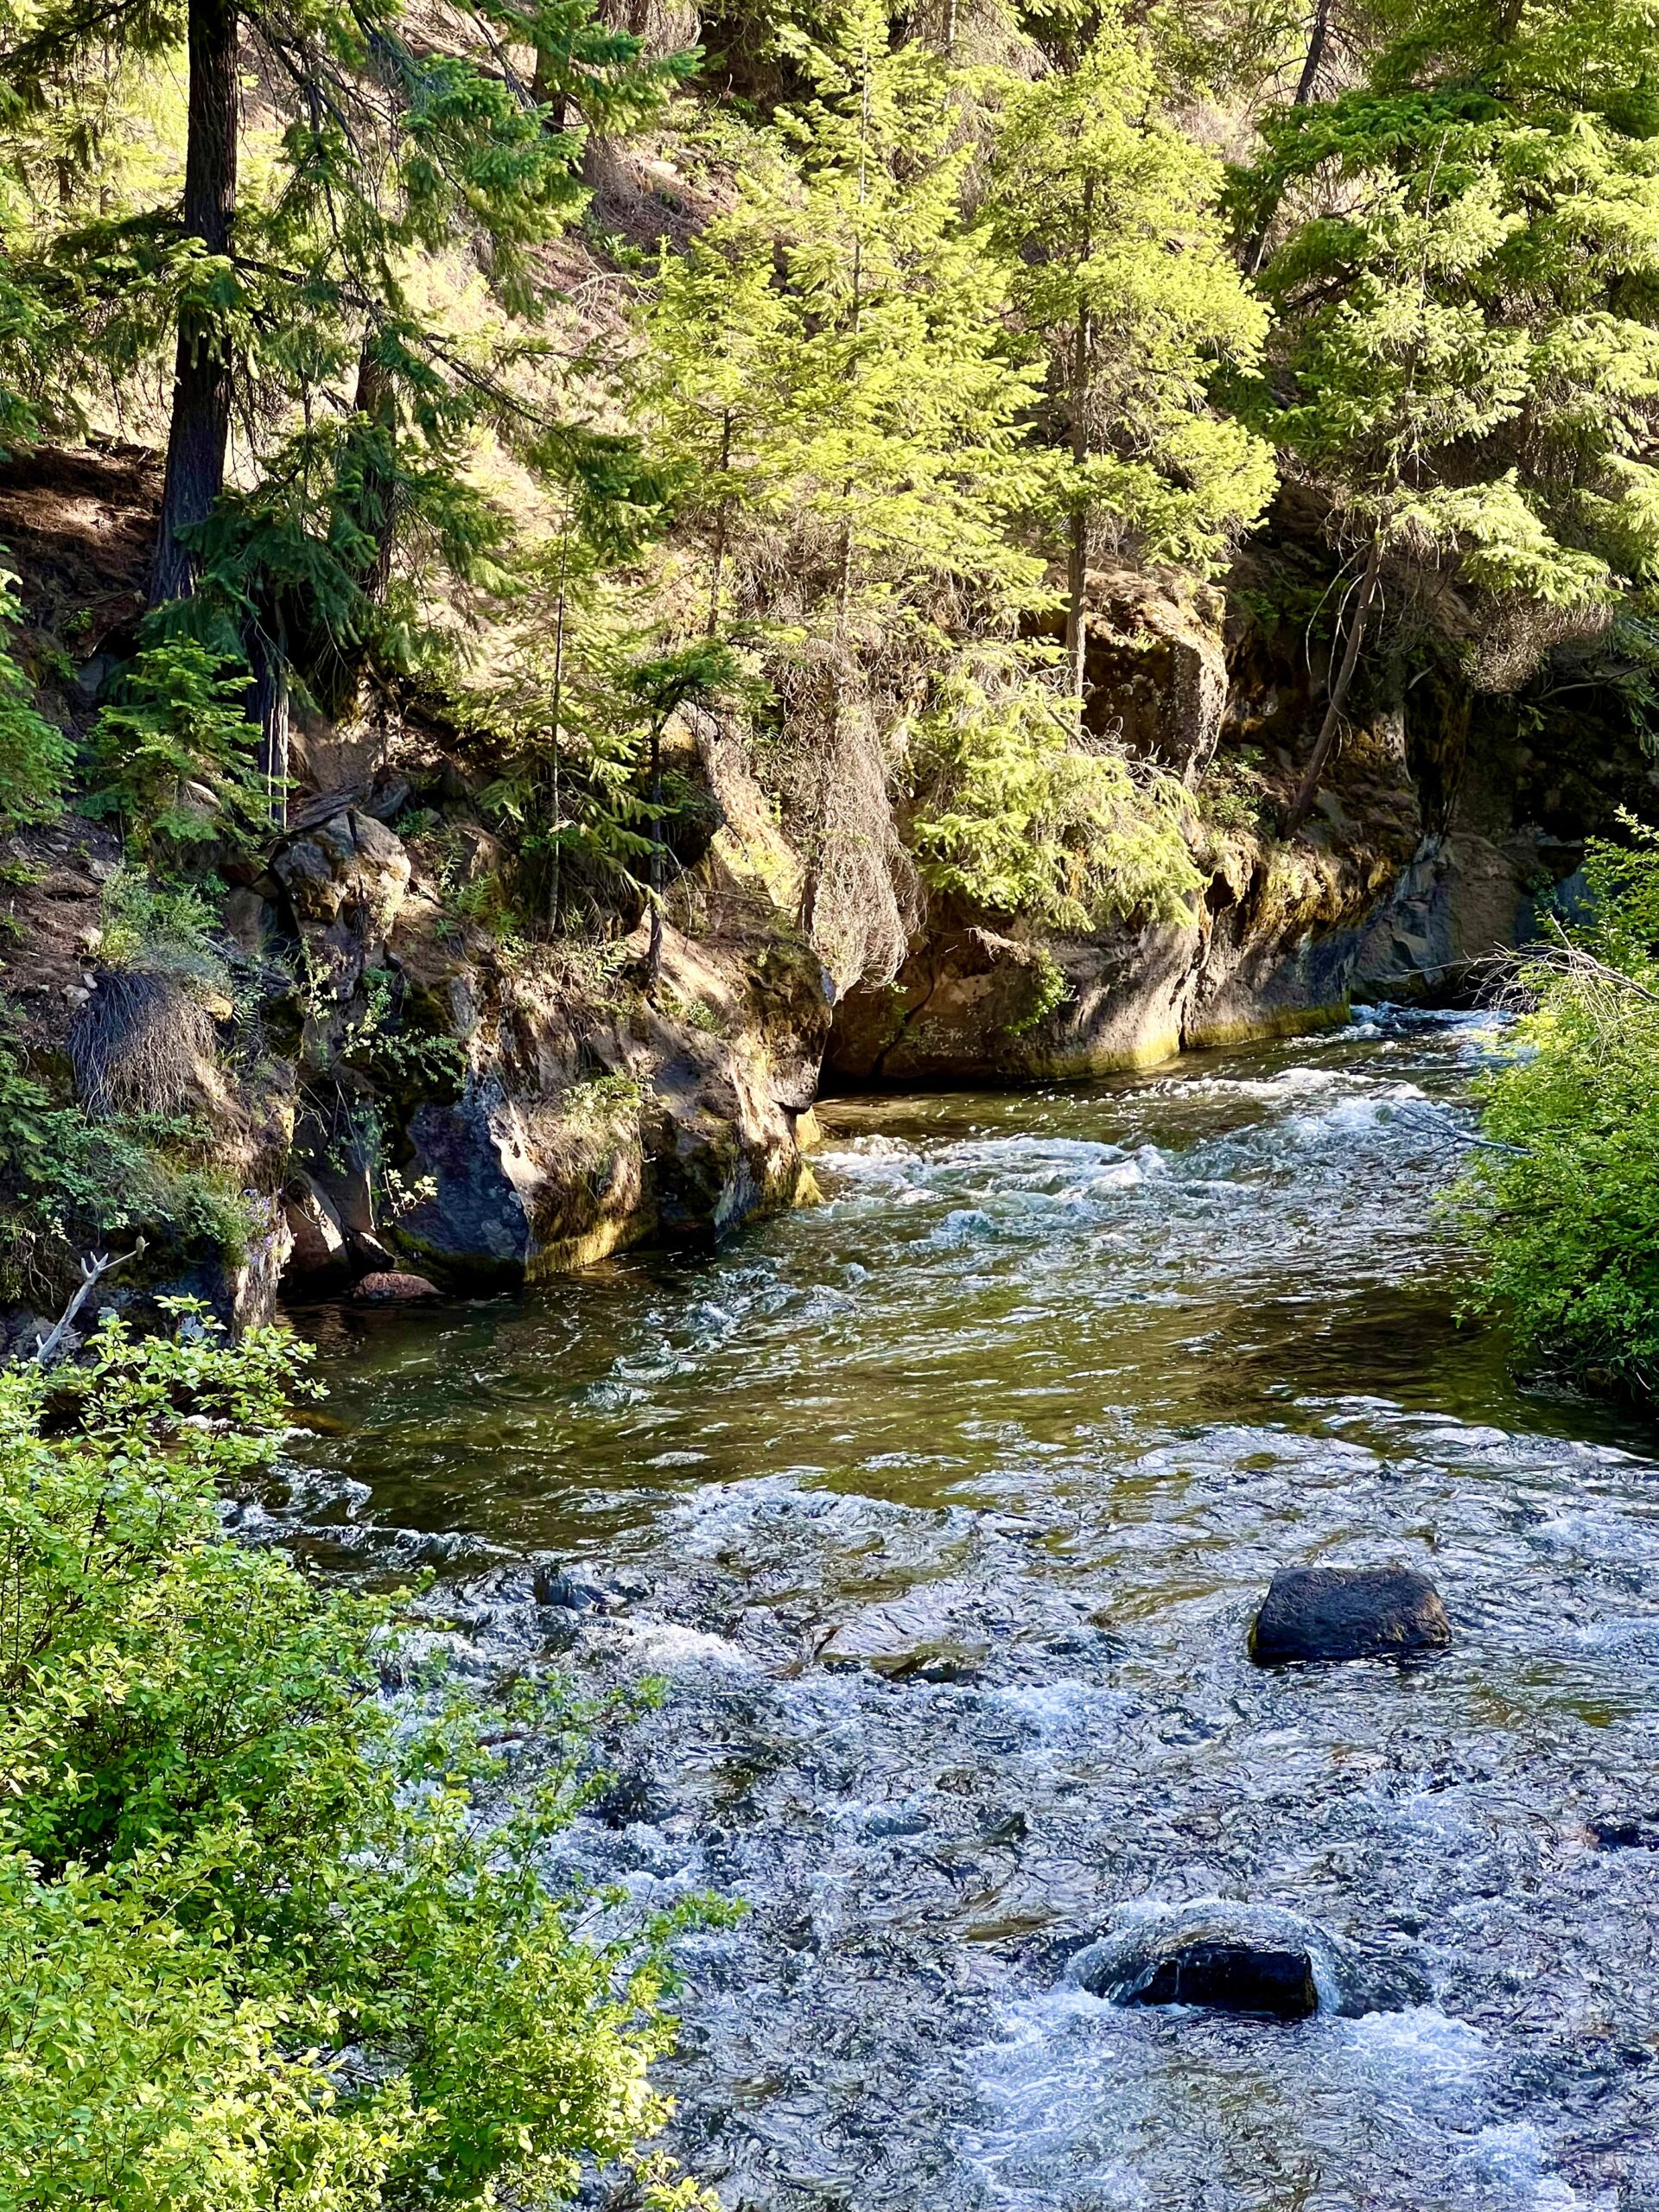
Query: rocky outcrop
(1275, 944)
(572, 1138)
(503, 1117)
(1155, 665)
(345, 877)
(1427, 850)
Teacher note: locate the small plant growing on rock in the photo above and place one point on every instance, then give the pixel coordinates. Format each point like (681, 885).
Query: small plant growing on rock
(173, 752)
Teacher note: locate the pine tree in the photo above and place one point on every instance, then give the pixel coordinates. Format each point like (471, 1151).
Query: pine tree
(384, 152)
(1107, 217)
(1465, 291)
(828, 372)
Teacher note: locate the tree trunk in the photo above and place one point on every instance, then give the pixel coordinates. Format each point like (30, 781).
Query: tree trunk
(1076, 623)
(654, 957)
(1327, 736)
(200, 423)
(721, 521)
(556, 850)
(1318, 34)
(546, 92)
(374, 401)
(269, 708)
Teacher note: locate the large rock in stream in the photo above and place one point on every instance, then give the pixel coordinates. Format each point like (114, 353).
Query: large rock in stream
(1313, 1614)
(1258, 1979)
(1258, 1961)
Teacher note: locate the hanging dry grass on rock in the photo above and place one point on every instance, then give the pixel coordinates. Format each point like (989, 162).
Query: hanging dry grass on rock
(140, 1044)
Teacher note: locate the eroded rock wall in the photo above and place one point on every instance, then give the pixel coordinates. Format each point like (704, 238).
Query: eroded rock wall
(1428, 848)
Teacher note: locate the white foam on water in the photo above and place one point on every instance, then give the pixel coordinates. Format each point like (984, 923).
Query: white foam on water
(1513, 2155)
(1420, 2038)
(963, 1225)
(666, 1647)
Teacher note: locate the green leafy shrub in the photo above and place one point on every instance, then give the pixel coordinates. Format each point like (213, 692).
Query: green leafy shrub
(1564, 1211)
(173, 752)
(1016, 815)
(168, 929)
(260, 1946)
(35, 755)
(71, 1178)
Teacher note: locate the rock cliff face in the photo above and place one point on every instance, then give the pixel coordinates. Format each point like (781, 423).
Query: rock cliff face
(1440, 827)
(399, 1084)
(518, 1113)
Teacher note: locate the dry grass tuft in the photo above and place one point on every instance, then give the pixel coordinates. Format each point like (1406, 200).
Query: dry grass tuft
(139, 1044)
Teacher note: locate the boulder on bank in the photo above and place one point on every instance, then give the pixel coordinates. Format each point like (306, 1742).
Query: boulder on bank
(1320, 1613)
(394, 1289)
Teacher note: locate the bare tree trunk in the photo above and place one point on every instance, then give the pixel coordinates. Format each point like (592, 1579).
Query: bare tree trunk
(654, 957)
(1327, 736)
(1076, 623)
(555, 871)
(269, 708)
(722, 523)
(1319, 37)
(201, 424)
(374, 401)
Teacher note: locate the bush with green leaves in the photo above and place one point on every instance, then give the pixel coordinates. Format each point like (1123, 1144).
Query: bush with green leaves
(261, 1944)
(1564, 1207)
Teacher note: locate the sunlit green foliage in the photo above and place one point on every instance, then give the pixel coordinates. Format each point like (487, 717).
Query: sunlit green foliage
(1466, 311)
(35, 755)
(171, 751)
(830, 373)
(259, 1943)
(1563, 1203)
(1019, 818)
(1107, 215)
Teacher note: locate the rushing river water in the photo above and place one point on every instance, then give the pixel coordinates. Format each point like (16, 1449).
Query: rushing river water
(944, 1508)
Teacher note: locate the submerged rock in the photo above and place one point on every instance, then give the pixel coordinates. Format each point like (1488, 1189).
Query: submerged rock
(1624, 1832)
(1256, 1960)
(572, 1589)
(394, 1289)
(1314, 1613)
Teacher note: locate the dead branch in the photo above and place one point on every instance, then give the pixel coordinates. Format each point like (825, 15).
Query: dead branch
(94, 1267)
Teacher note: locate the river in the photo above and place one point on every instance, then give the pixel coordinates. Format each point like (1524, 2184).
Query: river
(943, 1508)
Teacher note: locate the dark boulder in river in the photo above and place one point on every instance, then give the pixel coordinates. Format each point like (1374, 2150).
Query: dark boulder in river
(1228, 1957)
(1231, 1978)
(1313, 1613)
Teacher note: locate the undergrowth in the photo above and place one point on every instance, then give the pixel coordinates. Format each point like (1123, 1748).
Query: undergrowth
(266, 1939)
(1562, 1204)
